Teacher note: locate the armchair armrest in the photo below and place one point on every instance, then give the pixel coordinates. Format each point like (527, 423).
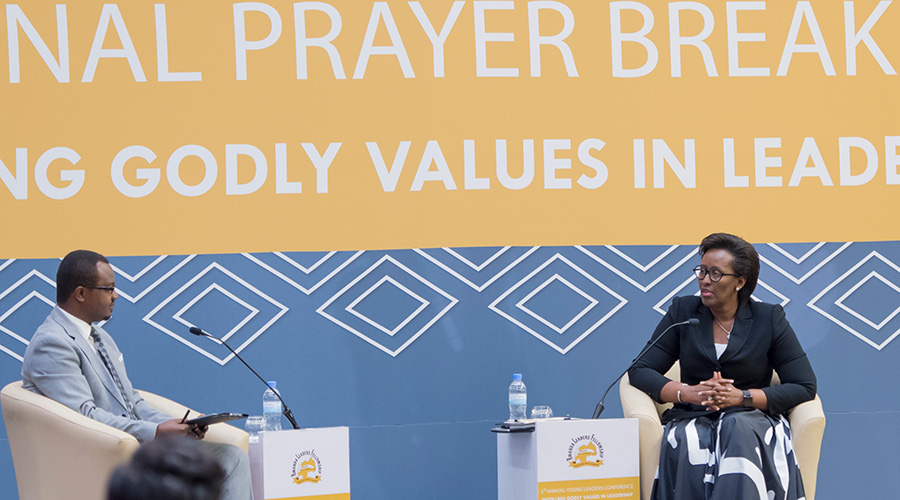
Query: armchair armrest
(218, 433)
(45, 438)
(807, 427)
(637, 404)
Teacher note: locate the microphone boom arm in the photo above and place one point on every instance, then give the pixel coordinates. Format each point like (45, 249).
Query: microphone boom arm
(599, 408)
(286, 411)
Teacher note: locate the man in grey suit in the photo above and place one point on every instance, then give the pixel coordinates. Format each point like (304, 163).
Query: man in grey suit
(79, 365)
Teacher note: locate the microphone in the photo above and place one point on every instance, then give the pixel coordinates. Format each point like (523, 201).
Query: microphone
(286, 411)
(599, 409)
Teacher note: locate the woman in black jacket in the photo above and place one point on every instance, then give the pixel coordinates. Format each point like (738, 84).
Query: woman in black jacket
(726, 436)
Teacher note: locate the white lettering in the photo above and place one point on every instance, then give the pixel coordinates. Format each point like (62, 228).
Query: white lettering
(676, 41)
(892, 159)
(732, 179)
(151, 176)
(852, 38)
(109, 13)
(232, 185)
(321, 162)
(241, 44)
(162, 52)
(847, 176)
(618, 37)
(810, 151)
(791, 47)
(282, 185)
(552, 163)
(75, 178)
(437, 41)
(303, 42)
(662, 155)
(640, 164)
(433, 155)
(381, 11)
(763, 163)
(524, 180)
(535, 40)
(174, 177)
(470, 179)
(15, 17)
(482, 37)
(735, 37)
(584, 156)
(18, 184)
(388, 177)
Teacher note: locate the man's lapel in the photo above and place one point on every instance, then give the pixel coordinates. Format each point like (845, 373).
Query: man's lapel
(90, 354)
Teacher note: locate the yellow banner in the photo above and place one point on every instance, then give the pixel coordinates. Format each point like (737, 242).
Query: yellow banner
(207, 126)
(591, 489)
(335, 496)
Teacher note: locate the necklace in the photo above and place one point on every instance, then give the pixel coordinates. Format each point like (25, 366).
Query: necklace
(727, 332)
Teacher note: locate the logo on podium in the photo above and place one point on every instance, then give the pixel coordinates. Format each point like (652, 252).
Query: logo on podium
(585, 451)
(307, 468)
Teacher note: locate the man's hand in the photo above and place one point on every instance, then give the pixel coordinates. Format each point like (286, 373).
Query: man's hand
(175, 427)
(198, 432)
(172, 427)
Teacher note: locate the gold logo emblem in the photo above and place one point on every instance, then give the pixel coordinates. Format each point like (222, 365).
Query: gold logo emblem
(307, 468)
(585, 451)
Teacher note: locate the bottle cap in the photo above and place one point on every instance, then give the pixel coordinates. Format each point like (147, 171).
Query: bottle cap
(271, 384)
(517, 376)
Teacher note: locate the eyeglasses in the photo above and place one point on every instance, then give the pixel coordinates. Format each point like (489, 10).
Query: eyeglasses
(111, 289)
(714, 274)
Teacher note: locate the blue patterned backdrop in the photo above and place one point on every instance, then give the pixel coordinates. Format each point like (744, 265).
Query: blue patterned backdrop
(414, 349)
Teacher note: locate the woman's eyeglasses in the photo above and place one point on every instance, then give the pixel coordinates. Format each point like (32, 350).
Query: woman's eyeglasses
(714, 274)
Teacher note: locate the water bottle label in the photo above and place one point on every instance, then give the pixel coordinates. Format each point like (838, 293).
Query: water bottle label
(517, 399)
(272, 406)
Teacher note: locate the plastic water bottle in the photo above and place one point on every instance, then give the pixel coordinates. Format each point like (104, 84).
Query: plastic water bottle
(518, 398)
(254, 425)
(272, 408)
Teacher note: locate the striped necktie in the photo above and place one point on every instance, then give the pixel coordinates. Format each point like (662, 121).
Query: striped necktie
(104, 355)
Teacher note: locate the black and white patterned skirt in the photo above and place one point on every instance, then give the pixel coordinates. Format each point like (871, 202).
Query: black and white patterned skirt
(728, 456)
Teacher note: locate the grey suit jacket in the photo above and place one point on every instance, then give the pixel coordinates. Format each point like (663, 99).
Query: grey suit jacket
(60, 364)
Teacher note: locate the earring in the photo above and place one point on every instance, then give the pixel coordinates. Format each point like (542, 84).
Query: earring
(737, 289)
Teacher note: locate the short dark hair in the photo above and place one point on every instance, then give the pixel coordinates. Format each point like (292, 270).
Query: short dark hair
(168, 468)
(745, 262)
(78, 268)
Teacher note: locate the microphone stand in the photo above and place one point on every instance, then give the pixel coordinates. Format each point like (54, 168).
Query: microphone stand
(285, 410)
(599, 408)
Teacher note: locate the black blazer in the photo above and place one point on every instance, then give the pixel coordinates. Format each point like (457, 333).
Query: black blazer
(761, 340)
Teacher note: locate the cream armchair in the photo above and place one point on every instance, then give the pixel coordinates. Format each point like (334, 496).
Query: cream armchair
(59, 453)
(807, 426)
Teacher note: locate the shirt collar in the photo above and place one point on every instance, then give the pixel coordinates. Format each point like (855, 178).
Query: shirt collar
(84, 329)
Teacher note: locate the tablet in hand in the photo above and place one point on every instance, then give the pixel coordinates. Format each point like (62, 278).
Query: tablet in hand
(215, 419)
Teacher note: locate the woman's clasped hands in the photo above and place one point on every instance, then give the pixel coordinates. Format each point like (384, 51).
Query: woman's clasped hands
(715, 394)
(719, 393)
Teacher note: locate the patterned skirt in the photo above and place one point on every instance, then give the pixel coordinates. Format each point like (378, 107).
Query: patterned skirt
(728, 456)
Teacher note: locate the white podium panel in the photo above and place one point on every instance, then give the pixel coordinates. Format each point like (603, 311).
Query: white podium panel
(308, 464)
(570, 460)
